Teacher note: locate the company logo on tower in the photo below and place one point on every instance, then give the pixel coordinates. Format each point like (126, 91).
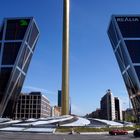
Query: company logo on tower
(127, 19)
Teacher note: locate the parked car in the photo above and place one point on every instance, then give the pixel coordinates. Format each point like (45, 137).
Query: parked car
(118, 132)
(136, 133)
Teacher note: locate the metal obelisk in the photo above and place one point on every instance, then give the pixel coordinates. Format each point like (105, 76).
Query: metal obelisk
(65, 58)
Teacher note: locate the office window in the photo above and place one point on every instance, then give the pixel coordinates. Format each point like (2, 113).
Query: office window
(33, 35)
(137, 69)
(0, 47)
(10, 53)
(4, 78)
(1, 32)
(133, 47)
(129, 28)
(16, 29)
(113, 35)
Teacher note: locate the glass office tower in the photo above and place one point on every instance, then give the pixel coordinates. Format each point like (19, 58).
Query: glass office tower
(124, 34)
(18, 37)
(60, 98)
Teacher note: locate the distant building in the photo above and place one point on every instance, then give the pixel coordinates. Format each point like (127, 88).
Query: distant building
(59, 98)
(124, 34)
(118, 110)
(56, 111)
(108, 106)
(95, 114)
(32, 105)
(18, 38)
(70, 105)
(129, 115)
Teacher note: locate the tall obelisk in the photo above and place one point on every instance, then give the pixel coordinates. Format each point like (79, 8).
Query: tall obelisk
(65, 58)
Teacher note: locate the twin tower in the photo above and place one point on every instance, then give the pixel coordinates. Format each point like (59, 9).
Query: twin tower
(19, 36)
(124, 34)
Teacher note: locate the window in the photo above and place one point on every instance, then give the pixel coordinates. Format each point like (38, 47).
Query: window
(1, 32)
(27, 97)
(34, 111)
(23, 97)
(130, 82)
(23, 101)
(120, 61)
(27, 110)
(16, 29)
(10, 53)
(0, 47)
(123, 55)
(4, 78)
(137, 69)
(34, 102)
(27, 64)
(25, 53)
(33, 35)
(133, 47)
(113, 35)
(129, 28)
(27, 101)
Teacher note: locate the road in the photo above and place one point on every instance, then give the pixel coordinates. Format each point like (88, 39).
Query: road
(36, 136)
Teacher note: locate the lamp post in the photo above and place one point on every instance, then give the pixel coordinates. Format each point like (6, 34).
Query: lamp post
(65, 58)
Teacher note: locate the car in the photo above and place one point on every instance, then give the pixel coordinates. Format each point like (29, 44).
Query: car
(136, 133)
(118, 132)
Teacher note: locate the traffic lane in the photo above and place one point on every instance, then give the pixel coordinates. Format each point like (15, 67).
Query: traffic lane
(36, 136)
(99, 137)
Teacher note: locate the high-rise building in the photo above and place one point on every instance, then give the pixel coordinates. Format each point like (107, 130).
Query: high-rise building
(118, 110)
(18, 37)
(108, 106)
(32, 105)
(59, 98)
(124, 34)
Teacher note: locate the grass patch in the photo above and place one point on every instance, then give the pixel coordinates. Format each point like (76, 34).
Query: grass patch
(79, 129)
(89, 129)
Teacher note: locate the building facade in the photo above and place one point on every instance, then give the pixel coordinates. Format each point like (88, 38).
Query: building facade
(95, 114)
(18, 37)
(32, 105)
(118, 110)
(59, 98)
(129, 115)
(108, 106)
(56, 111)
(124, 34)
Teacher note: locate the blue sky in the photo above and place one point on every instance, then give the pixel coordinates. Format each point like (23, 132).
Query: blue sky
(93, 67)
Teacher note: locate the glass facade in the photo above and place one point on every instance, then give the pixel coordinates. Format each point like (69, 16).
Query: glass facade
(124, 34)
(15, 56)
(59, 98)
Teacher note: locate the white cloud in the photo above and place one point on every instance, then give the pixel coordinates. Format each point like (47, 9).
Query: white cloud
(31, 88)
